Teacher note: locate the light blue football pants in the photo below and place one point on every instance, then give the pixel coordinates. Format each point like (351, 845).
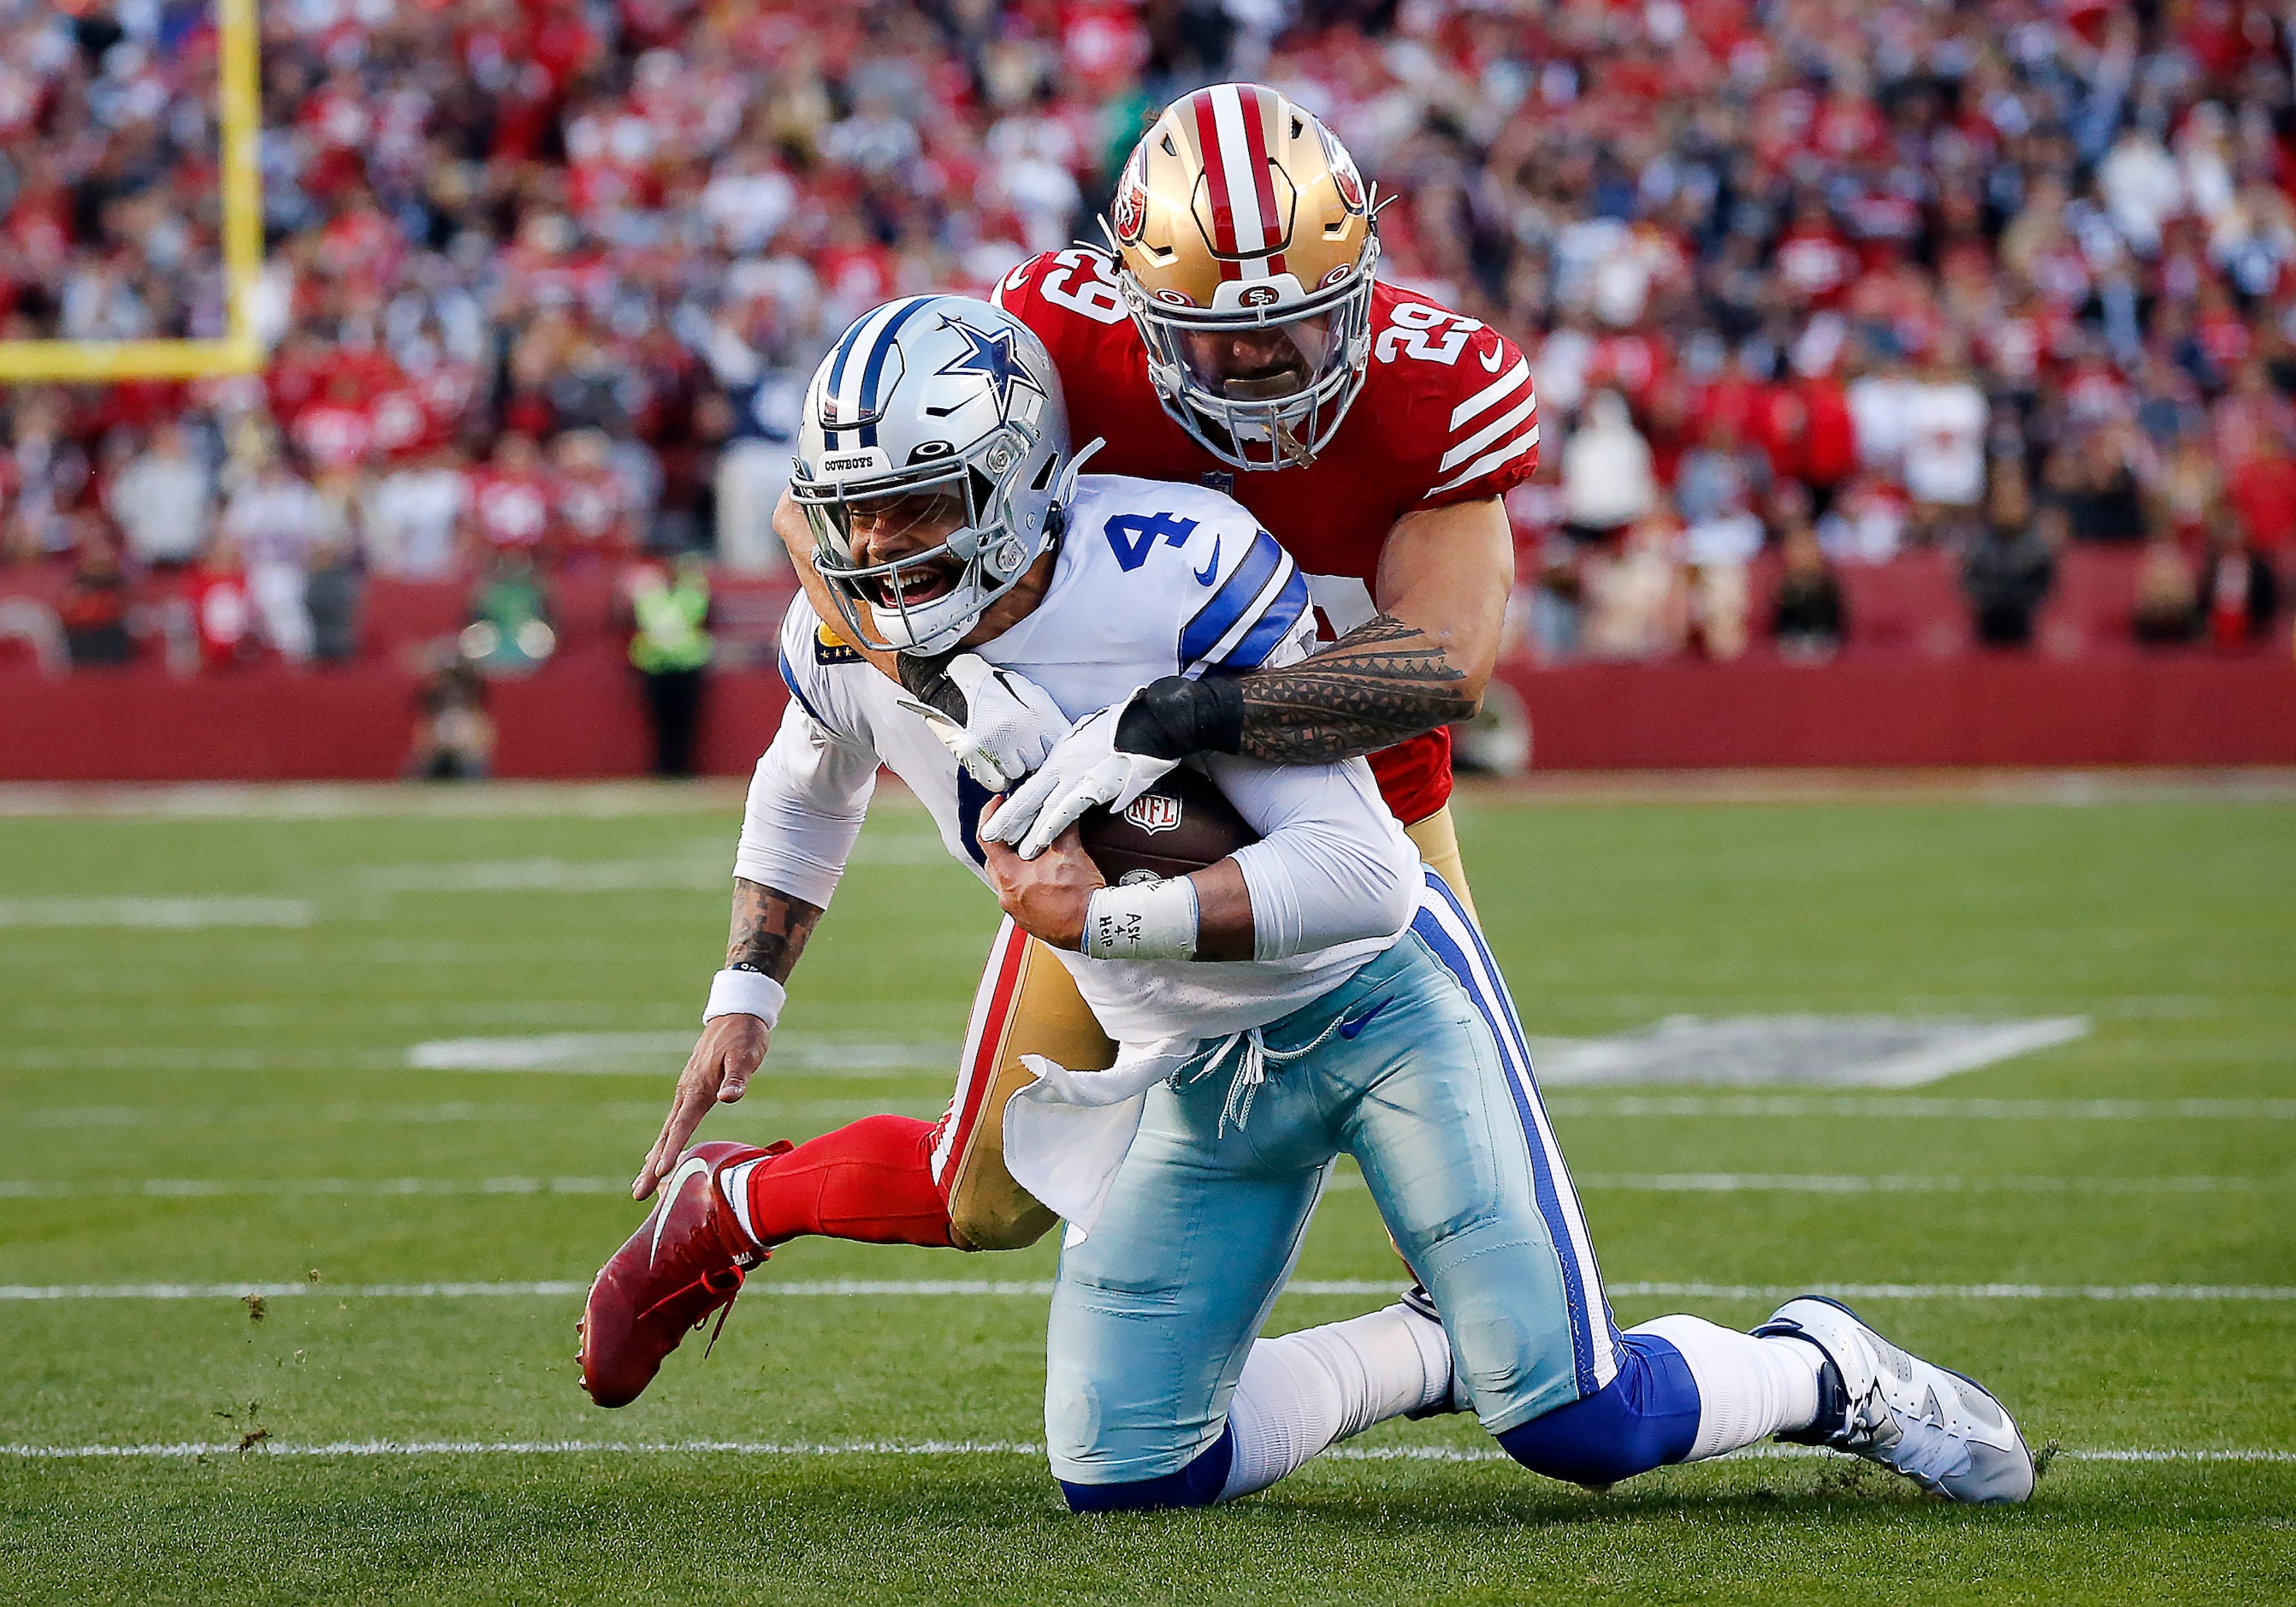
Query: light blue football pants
(1423, 1075)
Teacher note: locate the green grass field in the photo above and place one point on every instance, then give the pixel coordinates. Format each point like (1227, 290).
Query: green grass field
(229, 1102)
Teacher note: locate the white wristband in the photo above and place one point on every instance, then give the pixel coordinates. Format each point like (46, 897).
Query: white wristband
(745, 993)
(1148, 920)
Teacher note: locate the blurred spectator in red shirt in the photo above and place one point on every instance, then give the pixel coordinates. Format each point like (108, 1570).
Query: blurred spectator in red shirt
(510, 497)
(2239, 592)
(223, 614)
(2263, 492)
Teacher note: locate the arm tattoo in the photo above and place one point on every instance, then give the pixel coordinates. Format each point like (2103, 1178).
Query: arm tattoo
(769, 928)
(1381, 682)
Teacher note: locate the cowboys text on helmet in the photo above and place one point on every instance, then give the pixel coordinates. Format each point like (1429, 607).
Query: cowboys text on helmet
(932, 461)
(1247, 252)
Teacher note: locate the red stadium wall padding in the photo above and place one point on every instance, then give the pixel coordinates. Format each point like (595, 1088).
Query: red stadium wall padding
(582, 716)
(140, 724)
(1979, 709)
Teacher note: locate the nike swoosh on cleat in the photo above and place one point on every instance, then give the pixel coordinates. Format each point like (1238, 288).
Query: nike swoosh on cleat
(1204, 575)
(691, 1163)
(1349, 1029)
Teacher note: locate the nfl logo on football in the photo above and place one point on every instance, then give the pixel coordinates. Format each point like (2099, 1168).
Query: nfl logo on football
(1154, 812)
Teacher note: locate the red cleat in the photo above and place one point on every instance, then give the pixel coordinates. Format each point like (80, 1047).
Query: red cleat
(686, 1260)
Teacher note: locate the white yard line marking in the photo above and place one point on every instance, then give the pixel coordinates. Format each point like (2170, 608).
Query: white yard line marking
(690, 873)
(325, 800)
(164, 914)
(187, 1450)
(1039, 1288)
(1794, 1182)
(1801, 1182)
(160, 1057)
(220, 1188)
(551, 1052)
(1773, 1105)
(1798, 1049)
(347, 1112)
(1954, 1291)
(609, 1053)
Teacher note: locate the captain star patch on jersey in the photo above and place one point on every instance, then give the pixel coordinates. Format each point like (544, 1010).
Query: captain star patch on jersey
(830, 648)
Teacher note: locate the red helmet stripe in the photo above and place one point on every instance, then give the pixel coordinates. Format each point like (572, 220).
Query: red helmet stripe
(1256, 108)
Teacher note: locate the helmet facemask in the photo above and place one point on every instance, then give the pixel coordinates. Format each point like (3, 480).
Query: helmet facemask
(1277, 393)
(924, 601)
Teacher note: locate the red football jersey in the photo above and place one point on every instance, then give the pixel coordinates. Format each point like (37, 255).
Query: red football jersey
(1446, 414)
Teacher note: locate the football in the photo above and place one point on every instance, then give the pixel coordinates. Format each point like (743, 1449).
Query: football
(1181, 824)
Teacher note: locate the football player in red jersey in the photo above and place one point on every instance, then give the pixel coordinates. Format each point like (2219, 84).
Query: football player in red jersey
(1237, 337)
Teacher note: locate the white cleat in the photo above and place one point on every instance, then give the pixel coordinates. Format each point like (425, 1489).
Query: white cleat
(1945, 1432)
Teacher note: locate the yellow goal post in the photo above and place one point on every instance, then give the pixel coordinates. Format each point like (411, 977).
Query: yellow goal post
(238, 351)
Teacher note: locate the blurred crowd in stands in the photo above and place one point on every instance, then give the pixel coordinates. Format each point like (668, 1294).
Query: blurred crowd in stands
(1815, 289)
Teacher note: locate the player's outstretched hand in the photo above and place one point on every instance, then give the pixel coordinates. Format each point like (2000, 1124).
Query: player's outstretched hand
(1085, 771)
(1047, 897)
(718, 1073)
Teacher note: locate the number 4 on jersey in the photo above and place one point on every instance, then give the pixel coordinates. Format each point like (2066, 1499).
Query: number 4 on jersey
(1131, 535)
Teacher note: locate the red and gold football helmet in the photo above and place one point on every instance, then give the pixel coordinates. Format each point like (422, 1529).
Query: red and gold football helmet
(1247, 246)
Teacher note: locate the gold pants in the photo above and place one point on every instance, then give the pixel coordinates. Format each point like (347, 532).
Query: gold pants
(1028, 1004)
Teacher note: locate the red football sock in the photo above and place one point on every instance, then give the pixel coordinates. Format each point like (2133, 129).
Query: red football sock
(871, 1181)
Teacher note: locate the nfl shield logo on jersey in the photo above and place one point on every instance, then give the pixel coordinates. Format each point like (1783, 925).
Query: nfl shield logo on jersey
(1154, 812)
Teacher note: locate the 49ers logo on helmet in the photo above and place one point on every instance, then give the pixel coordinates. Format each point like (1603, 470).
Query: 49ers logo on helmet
(1154, 812)
(1344, 177)
(1127, 214)
(1259, 295)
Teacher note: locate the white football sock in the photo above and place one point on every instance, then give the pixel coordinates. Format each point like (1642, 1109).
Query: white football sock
(1304, 1392)
(1749, 1389)
(733, 1184)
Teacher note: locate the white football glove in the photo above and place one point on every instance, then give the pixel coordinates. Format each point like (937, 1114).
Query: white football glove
(1085, 770)
(1011, 722)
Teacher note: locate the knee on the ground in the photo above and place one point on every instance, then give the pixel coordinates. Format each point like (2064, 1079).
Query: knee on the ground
(1644, 1418)
(1197, 1484)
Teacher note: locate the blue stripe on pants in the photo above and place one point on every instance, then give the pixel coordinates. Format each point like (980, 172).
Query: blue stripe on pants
(1606, 1340)
(1593, 1354)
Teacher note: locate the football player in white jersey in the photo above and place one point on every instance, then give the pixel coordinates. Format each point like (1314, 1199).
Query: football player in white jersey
(1316, 992)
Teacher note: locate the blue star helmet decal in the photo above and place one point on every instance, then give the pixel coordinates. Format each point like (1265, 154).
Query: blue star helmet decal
(992, 357)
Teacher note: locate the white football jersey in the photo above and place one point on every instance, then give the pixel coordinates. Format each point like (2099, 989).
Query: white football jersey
(1152, 579)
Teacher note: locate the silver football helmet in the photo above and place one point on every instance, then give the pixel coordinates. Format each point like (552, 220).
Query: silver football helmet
(939, 412)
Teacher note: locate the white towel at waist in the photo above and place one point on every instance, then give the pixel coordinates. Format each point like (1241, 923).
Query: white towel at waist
(1067, 1132)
